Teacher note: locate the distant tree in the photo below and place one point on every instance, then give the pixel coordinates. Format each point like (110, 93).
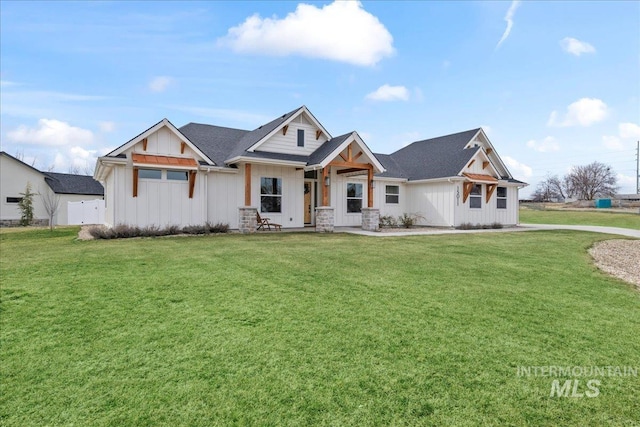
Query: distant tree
(592, 181)
(51, 203)
(26, 206)
(74, 170)
(552, 188)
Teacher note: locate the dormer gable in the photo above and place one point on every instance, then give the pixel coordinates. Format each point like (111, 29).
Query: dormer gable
(480, 139)
(301, 134)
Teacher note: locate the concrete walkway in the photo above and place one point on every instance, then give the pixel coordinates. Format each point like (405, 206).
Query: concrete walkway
(627, 232)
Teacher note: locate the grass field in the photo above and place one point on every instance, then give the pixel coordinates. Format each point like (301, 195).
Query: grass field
(557, 216)
(310, 329)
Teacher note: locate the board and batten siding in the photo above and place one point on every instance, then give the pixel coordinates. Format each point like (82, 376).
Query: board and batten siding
(489, 212)
(380, 200)
(288, 144)
(225, 194)
(339, 199)
(434, 202)
(160, 202)
(163, 142)
(292, 214)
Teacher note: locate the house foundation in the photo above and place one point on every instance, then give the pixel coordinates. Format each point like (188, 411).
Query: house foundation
(325, 219)
(370, 219)
(247, 219)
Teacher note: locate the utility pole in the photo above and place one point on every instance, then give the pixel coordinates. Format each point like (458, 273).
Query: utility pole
(638, 168)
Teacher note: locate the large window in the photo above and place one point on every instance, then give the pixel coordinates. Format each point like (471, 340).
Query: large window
(502, 197)
(150, 174)
(475, 198)
(300, 137)
(392, 194)
(271, 195)
(177, 175)
(354, 198)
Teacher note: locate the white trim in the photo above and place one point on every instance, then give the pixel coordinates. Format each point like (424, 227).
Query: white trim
(450, 179)
(382, 178)
(257, 160)
(492, 149)
(300, 110)
(354, 137)
(163, 166)
(207, 168)
(497, 174)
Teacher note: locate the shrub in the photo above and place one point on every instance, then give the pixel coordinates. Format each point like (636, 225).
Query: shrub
(218, 227)
(388, 221)
(100, 232)
(470, 226)
(496, 225)
(123, 231)
(409, 220)
(465, 226)
(26, 206)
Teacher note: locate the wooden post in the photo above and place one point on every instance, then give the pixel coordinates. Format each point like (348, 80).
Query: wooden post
(135, 182)
(247, 184)
(192, 183)
(325, 188)
(370, 187)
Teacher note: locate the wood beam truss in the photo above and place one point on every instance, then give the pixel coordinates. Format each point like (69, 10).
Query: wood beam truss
(135, 182)
(490, 189)
(192, 183)
(247, 184)
(466, 190)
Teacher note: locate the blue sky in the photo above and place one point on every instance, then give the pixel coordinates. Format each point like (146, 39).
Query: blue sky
(554, 84)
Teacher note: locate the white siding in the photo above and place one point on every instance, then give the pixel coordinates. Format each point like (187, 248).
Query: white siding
(339, 199)
(292, 214)
(110, 198)
(489, 213)
(159, 202)
(434, 202)
(13, 181)
(163, 142)
(288, 143)
(225, 194)
(379, 198)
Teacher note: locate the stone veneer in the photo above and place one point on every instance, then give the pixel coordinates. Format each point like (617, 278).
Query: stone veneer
(247, 221)
(16, 222)
(324, 219)
(370, 219)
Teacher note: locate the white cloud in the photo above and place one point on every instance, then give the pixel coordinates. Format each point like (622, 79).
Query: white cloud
(576, 47)
(547, 145)
(509, 18)
(389, 93)
(612, 143)
(159, 83)
(629, 130)
(583, 112)
(107, 126)
(51, 133)
(519, 170)
(341, 31)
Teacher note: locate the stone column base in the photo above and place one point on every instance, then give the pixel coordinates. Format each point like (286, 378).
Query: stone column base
(324, 219)
(370, 219)
(247, 222)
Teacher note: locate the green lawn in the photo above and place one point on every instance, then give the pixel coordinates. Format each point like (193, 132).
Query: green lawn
(608, 219)
(310, 329)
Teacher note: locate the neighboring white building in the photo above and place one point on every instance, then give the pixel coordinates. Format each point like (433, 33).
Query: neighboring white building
(14, 175)
(294, 172)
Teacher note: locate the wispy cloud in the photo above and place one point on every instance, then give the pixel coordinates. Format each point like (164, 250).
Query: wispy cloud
(546, 145)
(576, 47)
(509, 18)
(341, 31)
(159, 83)
(223, 114)
(389, 93)
(51, 132)
(520, 170)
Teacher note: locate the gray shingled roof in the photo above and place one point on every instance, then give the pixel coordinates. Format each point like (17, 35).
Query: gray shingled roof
(432, 158)
(65, 183)
(327, 148)
(393, 169)
(215, 141)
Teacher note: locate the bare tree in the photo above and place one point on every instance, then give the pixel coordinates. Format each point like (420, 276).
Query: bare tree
(591, 181)
(74, 170)
(51, 203)
(551, 189)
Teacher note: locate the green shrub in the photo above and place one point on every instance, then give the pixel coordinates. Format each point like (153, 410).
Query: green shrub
(26, 206)
(407, 220)
(387, 221)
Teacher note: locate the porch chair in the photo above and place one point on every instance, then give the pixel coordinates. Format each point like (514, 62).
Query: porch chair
(264, 222)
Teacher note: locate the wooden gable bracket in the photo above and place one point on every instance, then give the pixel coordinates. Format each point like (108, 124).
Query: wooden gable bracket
(135, 182)
(284, 129)
(343, 157)
(471, 162)
(349, 153)
(466, 190)
(318, 133)
(490, 189)
(484, 165)
(183, 145)
(144, 144)
(192, 183)
(357, 156)
(489, 150)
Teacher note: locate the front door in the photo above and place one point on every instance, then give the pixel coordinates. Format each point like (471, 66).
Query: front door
(307, 202)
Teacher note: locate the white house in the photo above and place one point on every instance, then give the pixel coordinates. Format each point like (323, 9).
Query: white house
(294, 172)
(14, 176)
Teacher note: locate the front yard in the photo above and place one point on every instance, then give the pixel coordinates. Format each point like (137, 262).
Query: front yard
(537, 215)
(310, 329)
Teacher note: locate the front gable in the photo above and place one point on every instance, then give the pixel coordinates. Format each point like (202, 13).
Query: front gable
(480, 139)
(301, 134)
(352, 153)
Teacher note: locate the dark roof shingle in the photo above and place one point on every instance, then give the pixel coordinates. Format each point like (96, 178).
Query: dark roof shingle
(65, 183)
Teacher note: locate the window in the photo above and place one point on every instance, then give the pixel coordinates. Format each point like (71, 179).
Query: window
(177, 175)
(392, 194)
(271, 195)
(150, 174)
(502, 197)
(300, 137)
(354, 198)
(14, 199)
(475, 199)
(311, 174)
